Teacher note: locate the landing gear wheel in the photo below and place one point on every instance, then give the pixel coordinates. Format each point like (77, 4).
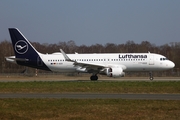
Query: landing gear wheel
(151, 78)
(94, 78)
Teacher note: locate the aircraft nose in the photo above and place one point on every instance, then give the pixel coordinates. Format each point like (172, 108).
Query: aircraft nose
(171, 64)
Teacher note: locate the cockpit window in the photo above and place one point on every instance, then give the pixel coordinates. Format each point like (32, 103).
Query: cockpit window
(162, 59)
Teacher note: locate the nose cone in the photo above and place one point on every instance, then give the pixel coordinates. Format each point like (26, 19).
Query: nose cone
(171, 64)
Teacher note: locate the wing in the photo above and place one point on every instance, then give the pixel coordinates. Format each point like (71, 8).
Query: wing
(90, 67)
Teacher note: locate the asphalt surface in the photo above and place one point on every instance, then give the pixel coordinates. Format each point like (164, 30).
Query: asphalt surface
(26, 79)
(92, 96)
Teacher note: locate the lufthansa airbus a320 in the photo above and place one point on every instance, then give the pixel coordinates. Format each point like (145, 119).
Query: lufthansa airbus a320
(109, 64)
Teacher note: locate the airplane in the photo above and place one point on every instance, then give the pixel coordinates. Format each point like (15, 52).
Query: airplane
(109, 64)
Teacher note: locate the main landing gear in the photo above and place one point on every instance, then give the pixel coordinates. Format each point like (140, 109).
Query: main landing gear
(151, 76)
(94, 78)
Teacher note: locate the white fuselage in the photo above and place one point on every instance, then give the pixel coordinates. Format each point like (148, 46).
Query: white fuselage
(128, 61)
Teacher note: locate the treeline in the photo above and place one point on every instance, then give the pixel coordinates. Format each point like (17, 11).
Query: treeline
(171, 51)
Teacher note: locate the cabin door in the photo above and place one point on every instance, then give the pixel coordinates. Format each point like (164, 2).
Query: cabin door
(151, 60)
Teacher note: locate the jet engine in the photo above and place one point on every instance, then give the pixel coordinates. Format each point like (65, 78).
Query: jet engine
(115, 72)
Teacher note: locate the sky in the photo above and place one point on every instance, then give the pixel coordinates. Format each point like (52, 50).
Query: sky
(89, 22)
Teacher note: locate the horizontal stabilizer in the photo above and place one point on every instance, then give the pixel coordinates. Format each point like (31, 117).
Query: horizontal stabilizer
(13, 59)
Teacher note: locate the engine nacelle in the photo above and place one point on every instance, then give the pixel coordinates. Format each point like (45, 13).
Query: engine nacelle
(115, 72)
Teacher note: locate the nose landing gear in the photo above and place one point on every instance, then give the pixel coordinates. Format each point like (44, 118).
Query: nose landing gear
(151, 76)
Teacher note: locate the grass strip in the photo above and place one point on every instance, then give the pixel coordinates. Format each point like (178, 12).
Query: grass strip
(91, 87)
(87, 109)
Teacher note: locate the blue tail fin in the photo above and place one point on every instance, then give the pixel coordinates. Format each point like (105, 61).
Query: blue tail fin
(22, 47)
(25, 53)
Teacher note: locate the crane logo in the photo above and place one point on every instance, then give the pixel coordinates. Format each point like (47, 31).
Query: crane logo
(21, 47)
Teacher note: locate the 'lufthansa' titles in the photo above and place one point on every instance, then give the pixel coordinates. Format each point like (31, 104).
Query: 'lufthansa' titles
(132, 56)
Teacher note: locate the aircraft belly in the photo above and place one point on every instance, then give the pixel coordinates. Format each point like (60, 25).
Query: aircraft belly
(62, 68)
(140, 66)
(143, 67)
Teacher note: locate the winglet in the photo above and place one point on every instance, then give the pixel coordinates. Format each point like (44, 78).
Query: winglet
(65, 56)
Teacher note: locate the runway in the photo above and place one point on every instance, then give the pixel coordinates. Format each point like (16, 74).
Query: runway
(8, 78)
(92, 96)
(104, 80)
